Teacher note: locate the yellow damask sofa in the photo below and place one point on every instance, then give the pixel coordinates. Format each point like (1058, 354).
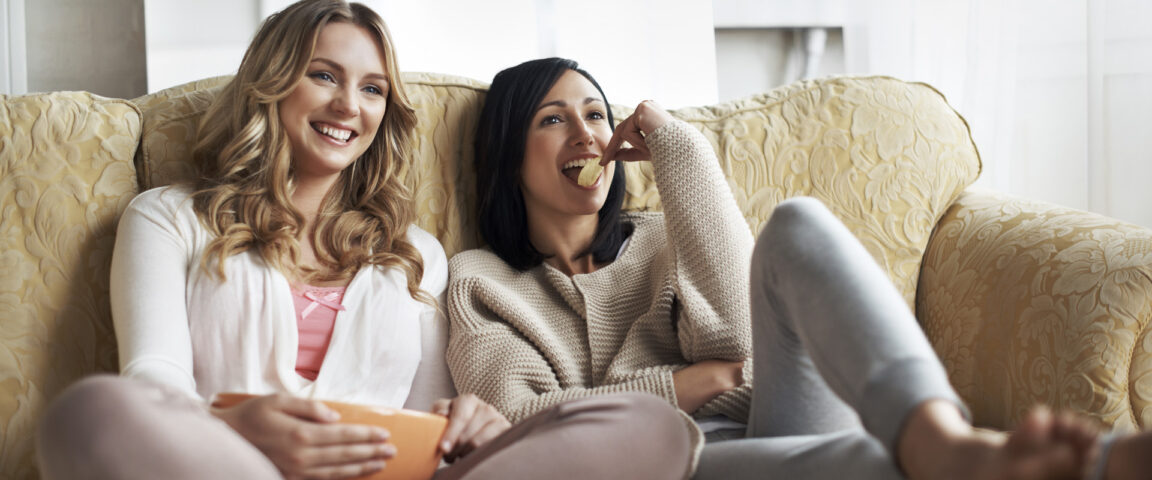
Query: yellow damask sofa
(1025, 302)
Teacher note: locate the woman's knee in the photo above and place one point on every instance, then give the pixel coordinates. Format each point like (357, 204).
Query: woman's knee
(651, 411)
(665, 451)
(618, 436)
(791, 227)
(82, 414)
(86, 402)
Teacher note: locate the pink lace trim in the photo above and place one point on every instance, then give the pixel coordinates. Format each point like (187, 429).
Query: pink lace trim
(315, 325)
(318, 298)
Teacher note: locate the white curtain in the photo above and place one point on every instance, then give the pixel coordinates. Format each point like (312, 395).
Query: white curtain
(13, 59)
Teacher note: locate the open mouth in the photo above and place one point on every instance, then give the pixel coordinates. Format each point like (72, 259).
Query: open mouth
(572, 168)
(338, 134)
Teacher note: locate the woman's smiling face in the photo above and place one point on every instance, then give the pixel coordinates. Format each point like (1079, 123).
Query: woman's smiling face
(334, 112)
(570, 128)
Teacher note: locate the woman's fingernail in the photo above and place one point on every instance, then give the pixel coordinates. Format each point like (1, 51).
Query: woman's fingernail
(374, 466)
(445, 446)
(332, 415)
(389, 450)
(382, 434)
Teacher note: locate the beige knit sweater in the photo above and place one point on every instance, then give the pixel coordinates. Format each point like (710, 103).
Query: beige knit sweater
(677, 294)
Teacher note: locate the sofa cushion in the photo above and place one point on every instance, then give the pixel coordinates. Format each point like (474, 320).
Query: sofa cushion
(169, 130)
(888, 157)
(65, 176)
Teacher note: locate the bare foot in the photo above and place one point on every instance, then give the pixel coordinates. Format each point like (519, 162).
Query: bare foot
(1078, 431)
(939, 444)
(1130, 458)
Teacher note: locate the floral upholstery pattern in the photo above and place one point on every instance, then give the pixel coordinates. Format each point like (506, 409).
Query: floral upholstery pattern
(1025, 302)
(169, 131)
(1028, 302)
(886, 156)
(66, 174)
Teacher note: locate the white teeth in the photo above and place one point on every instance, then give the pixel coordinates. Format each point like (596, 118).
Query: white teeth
(336, 133)
(577, 163)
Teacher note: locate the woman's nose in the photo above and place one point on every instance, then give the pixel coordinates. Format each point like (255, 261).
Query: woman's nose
(345, 102)
(583, 133)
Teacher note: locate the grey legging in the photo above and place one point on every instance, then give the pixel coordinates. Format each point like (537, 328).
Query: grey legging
(839, 359)
(110, 427)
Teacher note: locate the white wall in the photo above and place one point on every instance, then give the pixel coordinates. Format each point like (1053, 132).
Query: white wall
(755, 60)
(190, 40)
(636, 49)
(1120, 108)
(13, 55)
(1058, 93)
(83, 45)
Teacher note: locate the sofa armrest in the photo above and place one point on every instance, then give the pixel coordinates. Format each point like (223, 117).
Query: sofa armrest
(1027, 302)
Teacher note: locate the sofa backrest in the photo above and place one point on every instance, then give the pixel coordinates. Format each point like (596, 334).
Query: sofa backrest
(65, 176)
(887, 156)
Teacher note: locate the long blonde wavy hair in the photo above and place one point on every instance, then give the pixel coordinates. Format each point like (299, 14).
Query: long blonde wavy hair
(245, 173)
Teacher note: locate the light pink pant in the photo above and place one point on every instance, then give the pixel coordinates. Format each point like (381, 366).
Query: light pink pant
(108, 427)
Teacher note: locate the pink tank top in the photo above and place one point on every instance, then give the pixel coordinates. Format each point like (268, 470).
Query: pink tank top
(316, 309)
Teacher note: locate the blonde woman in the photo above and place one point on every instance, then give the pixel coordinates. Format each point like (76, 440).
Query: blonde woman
(290, 268)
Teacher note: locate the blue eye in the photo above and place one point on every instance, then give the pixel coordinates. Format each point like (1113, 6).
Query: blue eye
(374, 90)
(325, 76)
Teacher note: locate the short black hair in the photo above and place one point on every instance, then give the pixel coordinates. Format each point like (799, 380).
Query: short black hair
(501, 138)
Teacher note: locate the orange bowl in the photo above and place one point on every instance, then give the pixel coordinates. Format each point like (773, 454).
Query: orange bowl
(415, 435)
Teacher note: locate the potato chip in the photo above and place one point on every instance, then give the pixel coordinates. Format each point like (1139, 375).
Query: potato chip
(590, 172)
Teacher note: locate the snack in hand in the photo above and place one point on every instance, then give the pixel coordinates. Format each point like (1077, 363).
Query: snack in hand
(415, 435)
(590, 172)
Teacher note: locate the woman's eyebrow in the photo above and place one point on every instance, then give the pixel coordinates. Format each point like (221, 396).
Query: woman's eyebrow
(331, 63)
(562, 103)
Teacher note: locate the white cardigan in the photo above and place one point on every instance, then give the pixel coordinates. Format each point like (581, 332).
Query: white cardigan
(179, 325)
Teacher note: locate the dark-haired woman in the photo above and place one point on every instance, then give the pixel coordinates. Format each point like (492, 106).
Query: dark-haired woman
(291, 269)
(573, 299)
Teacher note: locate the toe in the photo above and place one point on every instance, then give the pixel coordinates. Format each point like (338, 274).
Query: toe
(1034, 432)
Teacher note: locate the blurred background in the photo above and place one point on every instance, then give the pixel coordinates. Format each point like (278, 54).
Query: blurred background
(1058, 93)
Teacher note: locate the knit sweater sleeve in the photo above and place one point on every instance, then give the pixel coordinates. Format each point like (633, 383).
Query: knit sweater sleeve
(711, 242)
(515, 360)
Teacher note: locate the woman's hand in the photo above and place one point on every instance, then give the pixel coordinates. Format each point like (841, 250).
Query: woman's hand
(647, 117)
(700, 382)
(301, 437)
(471, 423)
